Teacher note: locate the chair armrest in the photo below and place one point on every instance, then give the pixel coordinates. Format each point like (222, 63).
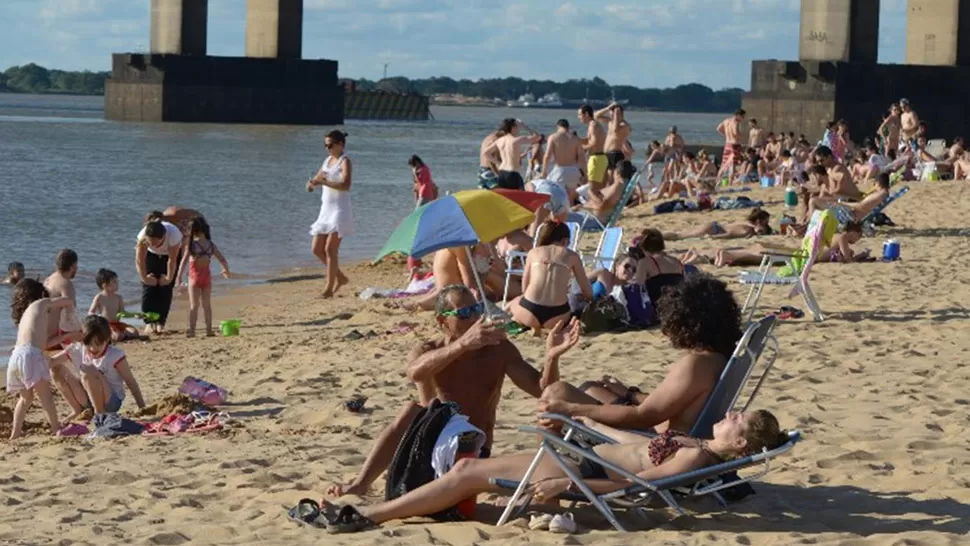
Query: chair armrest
(779, 250)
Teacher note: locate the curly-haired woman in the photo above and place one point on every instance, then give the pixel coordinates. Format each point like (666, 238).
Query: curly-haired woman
(700, 317)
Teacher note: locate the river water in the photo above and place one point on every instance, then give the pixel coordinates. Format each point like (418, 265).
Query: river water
(69, 179)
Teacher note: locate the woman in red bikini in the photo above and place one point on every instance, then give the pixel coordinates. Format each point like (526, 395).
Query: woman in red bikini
(201, 250)
(672, 453)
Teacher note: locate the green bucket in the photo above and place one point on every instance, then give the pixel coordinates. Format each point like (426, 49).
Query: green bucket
(230, 327)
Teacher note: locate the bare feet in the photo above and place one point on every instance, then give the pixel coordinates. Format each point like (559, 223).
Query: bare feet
(190, 333)
(338, 490)
(209, 333)
(327, 294)
(341, 280)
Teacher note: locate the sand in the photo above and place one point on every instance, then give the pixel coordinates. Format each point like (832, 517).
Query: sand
(879, 391)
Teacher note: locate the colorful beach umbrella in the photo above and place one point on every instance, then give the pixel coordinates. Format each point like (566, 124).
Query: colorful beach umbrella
(464, 218)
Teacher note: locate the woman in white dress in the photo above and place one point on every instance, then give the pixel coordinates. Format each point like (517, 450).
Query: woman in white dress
(336, 219)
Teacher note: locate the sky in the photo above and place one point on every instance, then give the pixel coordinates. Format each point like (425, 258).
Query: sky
(645, 43)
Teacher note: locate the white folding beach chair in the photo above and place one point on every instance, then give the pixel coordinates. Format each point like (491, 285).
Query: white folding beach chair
(607, 249)
(514, 255)
(821, 229)
(592, 223)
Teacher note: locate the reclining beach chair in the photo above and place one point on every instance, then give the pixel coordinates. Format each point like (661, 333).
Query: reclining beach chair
(821, 229)
(636, 496)
(708, 481)
(607, 249)
(868, 228)
(592, 223)
(512, 269)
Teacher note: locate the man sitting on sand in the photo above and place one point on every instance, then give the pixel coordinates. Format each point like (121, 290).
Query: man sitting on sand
(700, 317)
(65, 323)
(467, 365)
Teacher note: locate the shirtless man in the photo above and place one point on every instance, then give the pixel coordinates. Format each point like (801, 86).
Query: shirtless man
(65, 324)
(674, 144)
(488, 160)
(889, 129)
(602, 206)
(730, 129)
(909, 123)
(617, 134)
(847, 212)
(467, 365)
(755, 135)
(509, 148)
(840, 179)
(564, 153)
(28, 373)
(704, 328)
(593, 144)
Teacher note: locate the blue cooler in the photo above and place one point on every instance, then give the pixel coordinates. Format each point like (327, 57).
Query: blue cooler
(767, 181)
(890, 250)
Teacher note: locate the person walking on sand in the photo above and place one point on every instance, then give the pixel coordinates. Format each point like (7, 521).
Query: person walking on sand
(336, 218)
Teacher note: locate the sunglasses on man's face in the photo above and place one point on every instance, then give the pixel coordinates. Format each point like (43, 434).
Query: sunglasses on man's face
(464, 313)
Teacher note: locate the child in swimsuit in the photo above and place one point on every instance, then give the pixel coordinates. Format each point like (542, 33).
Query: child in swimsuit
(108, 303)
(201, 250)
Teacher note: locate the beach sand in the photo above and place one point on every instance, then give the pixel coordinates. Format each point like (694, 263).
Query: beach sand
(879, 391)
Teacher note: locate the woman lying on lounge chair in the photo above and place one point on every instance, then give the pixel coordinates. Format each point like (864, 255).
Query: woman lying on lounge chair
(755, 224)
(840, 251)
(669, 454)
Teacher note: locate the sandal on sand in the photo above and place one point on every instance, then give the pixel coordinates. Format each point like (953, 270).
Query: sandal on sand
(540, 522)
(356, 403)
(786, 312)
(306, 511)
(347, 520)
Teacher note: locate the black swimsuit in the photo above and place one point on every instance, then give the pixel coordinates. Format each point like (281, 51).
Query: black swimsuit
(544, 313)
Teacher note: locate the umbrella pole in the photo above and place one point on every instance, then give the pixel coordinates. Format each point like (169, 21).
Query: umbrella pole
(478, 280)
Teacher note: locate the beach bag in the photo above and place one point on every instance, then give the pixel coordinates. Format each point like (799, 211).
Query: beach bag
(639, 309)
(411, 466)
(603, 315)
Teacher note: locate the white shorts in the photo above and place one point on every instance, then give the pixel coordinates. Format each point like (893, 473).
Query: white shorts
(26, 368)
(568, 177)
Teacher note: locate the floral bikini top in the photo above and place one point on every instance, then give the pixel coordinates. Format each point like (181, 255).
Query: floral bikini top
(666, 445)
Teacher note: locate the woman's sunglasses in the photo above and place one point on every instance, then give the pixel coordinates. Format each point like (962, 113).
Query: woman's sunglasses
(629, 268)
(465, 313)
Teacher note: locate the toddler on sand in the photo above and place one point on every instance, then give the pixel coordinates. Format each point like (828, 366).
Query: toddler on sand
(29, 373)
(108, 303)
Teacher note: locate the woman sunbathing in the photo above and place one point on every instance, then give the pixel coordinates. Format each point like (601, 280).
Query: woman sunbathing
(839, 251)
(672, 453)
(548, 270)
(756, 223)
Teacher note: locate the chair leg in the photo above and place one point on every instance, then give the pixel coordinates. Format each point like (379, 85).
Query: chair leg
(523, 484)
(720, 499)
(812, 303)
(593, 497)
(671, 502)
(505, 293)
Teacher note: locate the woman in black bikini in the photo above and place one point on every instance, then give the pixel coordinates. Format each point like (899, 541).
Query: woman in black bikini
(737, 435)
(549, 269)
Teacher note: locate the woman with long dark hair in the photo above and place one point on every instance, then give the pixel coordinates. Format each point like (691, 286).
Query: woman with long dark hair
(336, 218)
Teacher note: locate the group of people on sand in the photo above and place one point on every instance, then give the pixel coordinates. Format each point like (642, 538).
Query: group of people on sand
(78, 356)
(468, 365)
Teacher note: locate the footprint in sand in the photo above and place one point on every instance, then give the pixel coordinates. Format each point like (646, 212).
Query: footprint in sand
(169, 539)
(850, 458)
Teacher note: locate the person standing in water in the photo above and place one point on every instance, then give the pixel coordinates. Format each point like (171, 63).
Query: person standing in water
(336, 218)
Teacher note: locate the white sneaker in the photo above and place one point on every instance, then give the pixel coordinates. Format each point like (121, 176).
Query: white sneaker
(540, 522)
(563, 523)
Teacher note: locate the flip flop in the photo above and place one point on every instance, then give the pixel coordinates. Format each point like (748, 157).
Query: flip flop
(787, 312)
(307, 511)
(348, 520)
(356, 403)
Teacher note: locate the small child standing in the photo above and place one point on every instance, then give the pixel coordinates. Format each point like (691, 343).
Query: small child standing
(424, 188)
(108, 303)
(29, 373)
(104, 368)
(201, 250)
(15, 272)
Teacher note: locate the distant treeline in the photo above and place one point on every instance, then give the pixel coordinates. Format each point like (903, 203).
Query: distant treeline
(31, 78)
(692, 97)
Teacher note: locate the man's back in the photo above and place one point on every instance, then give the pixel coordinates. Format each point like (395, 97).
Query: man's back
(702, 372)
(58, 286)
(485, 159)
(566, 149)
